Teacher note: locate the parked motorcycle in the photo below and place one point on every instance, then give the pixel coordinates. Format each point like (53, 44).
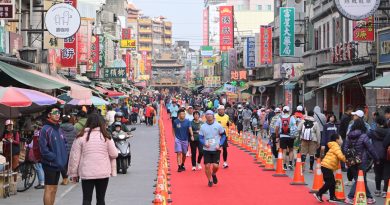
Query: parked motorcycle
(122, 143)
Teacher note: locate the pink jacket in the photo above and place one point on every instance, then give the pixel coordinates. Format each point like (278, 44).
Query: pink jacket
(94, 159)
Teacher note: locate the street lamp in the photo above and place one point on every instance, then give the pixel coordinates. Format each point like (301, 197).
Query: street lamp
(283, 74)
(373, 59)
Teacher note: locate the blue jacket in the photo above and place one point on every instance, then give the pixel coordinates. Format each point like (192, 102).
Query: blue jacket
(52, 144)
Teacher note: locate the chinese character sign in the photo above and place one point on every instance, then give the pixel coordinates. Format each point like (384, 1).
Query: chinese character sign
(250, 52)
(114, 72)
(287, 31)
(363, 30)
(69, 53)
(226, 21)
(93, 62)
(265, 45)
(126, 33)
(238, 75)
(7, 9)
(206, 26)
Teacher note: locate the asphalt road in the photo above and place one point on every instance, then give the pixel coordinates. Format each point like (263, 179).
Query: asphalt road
(135, 187)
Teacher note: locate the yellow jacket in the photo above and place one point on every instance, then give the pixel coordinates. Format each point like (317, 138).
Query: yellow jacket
(333, 156)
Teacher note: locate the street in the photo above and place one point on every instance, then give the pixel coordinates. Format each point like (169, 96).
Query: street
(136, 187)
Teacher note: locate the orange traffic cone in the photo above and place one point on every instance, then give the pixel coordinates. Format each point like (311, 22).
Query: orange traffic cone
(259, 152)
(360, 193)
(269, 163)
(339, 184)
(263, 156)
(318, 178)
(299, 178)
(158, 200)
(279, 166)
(387, 201)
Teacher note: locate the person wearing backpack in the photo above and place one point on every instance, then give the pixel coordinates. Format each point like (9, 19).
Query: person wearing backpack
(272, 133)
(239, 120)
(359, 153)
(285, 129)
(255, 123)
(246, 116)
(310, 136)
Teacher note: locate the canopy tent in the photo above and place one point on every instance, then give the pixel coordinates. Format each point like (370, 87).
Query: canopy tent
(380, 83)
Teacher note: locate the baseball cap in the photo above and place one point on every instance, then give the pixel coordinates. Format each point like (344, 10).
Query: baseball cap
(358, 113)
(9, 122)
(221, 107)
(286, 108)
(209, 112)
(299, 108)
(277, 110)
(189, 107)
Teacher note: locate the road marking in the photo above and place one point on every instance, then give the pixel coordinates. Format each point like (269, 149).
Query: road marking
(65, 193)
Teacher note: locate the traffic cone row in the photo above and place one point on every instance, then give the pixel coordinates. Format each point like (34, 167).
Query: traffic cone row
(162, 191)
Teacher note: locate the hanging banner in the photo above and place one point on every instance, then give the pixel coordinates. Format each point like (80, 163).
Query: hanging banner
(126, 33)
(265, 45)
(128, 65)
(7, 9)
(68, 54)
(287, 31)
(206, 26)
(93, 63)
(84, 36)
(363, 30)
(226, 21)
(212, 81)
(250, 52)
(144, 59)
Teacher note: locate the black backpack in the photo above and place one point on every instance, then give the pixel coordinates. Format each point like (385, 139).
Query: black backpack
(352, 156)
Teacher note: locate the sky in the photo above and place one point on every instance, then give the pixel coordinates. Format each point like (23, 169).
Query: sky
(186, 17)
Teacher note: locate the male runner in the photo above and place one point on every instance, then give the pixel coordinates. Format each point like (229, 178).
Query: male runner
(223, 119)
(212, 136)
(183, 131)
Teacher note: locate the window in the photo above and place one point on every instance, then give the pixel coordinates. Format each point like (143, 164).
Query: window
(259, 7)
(327, 35)
(269, 8)
(316, 39)
(323, 36)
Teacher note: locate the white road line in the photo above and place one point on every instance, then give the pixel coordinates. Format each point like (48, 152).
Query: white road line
(65, 193)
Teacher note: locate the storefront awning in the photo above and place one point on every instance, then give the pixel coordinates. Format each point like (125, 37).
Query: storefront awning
(380, 83)
(341, 79)
(262, 83)
(30, 79)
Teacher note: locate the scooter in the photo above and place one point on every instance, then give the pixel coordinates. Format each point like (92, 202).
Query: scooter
(122, 143)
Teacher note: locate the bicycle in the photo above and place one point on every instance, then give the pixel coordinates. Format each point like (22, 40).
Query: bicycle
(26, 170)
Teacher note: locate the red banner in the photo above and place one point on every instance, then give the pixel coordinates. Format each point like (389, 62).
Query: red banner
(84, 41)
(126, 34)
(363, 30)
(128, 65)
(206, 26)
(226, 29)
(265, 45)
(93, 63)
(69, 53)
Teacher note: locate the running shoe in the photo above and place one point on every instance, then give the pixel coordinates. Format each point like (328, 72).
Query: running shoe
(210, 183)
(193, 168)
(285, 167)
(39, 186)
(348, 201)
(215, 179)
(290, 167)
(199, 166)
(371, 201)
(377, 193)
(333, 200)
(225, 165)
(318, 197)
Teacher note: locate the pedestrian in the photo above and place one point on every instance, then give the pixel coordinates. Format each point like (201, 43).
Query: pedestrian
(246, 116)
(377, 136)
(330, 164)
(223, 120)
(195, 144)
(81, 120)
(262, 119)
(330, 128)
(190, 113)
(36, 156)
(272, 133)
(285, 129)
(141, 114)
(183, 131)
(310, 136)
(54, 156)
(92, 159)
(358, 141)
(11, 141)
(358, 115)
(239, 121)
(173, 109)
(70, 134)
(212, 136)
(255, 123)
(386, 164)
(387, 116)
(346, 118)
(149, 115)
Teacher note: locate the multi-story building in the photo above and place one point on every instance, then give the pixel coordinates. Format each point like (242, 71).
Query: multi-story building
(167, 34)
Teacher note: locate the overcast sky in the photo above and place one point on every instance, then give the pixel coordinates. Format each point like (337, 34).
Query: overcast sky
(186, 17)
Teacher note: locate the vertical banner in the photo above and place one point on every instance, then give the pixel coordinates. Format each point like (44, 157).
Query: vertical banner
(225, 66)
(126, 34)
(250, 52)
(102, 54)
(287, 31)
(363, 30)
(144, 59)
(128, 65)
(226, 21)
(84, 41)
(93, 63)
(206, 26)
(265, 45)
(69, 53)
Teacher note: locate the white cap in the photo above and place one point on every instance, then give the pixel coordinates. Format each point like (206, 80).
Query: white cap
(358, 113)
(277, 110)
(221, 107)
(299, 108)
(9, 122)
(286, 108)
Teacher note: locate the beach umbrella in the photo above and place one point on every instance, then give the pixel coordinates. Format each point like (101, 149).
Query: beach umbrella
(92, 101)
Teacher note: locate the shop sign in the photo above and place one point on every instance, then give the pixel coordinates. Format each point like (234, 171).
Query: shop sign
(7, 9)
(265, 45)
(363, 30)
(226, 29)
(93, 63)
(128, 43)
(52, 42)
(206, 27)
(383, 46)
(238, 75)
(62, 20)
(287, 31)
(206, 51)
(357, 9)
(114, 72)
(250, 52)
(342, 52)
(126, 33)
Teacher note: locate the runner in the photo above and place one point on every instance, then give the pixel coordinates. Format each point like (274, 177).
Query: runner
(183, 130)
(212, 136)
(173, 109)
(195, 144)
(223, 119)
(272, 133)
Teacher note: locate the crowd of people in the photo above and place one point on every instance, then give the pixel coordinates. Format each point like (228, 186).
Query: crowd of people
(197, 123)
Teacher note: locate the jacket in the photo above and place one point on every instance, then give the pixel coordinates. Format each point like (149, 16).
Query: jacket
(70, 134)
(363, 147)
(315, 131)
(329, 130)
(319, 117)
(80, 125)
(92, 159)
(377, 136)
(344, 123)
(52, 145)
(333, 156)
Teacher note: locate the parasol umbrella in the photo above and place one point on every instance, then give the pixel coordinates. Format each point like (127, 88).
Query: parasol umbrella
(93, 101)
(17, 98)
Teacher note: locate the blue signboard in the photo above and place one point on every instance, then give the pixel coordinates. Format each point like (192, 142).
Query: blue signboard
(384, 47)
(250, 52)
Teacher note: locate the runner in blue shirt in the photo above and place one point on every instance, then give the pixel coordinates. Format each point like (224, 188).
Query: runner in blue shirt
(183, 131)
(212, 135)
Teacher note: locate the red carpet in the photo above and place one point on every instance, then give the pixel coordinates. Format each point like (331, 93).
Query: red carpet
(242, 183)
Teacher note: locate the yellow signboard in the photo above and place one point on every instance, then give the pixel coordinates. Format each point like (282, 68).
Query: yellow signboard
(128, 43)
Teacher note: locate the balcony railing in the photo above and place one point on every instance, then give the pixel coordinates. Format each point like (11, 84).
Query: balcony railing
(168, 32)
(144, 21)
(145, 40)
(145, 30)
